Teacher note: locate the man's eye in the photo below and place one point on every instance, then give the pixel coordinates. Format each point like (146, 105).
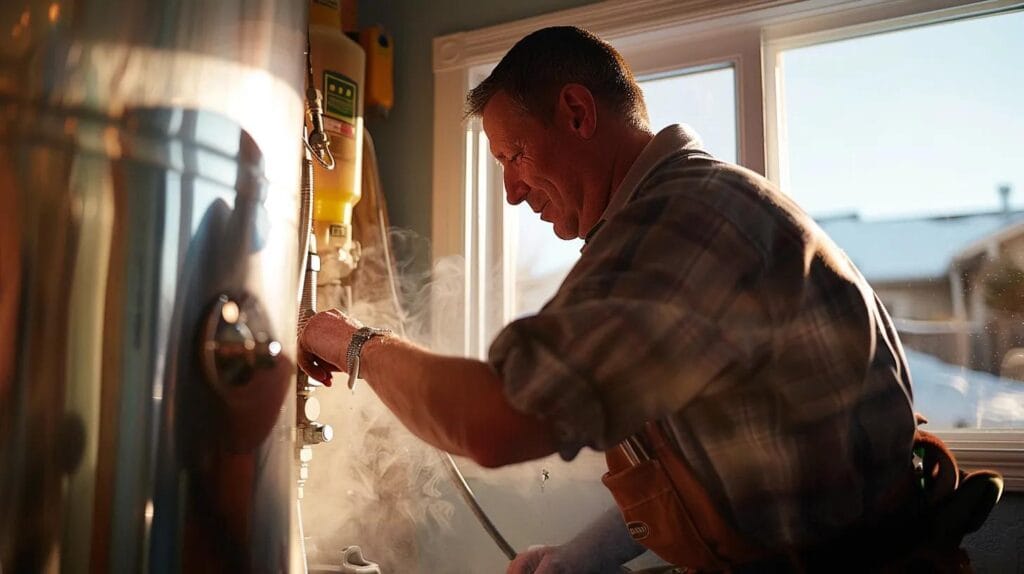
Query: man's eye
(515, 158)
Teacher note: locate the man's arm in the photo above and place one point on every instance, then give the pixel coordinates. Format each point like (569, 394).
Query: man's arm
(452, 403)
(606, 538)
(601, 548)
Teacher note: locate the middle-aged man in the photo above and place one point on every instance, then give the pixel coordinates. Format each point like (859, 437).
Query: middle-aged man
(709, 323)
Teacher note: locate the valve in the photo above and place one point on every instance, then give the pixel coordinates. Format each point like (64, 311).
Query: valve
(316, 433)
(237, 342)
(245, 365)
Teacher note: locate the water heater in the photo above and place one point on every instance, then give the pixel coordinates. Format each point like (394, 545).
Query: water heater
(149, 176)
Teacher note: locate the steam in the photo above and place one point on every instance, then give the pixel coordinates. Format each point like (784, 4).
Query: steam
(379, 487)
(376, 484)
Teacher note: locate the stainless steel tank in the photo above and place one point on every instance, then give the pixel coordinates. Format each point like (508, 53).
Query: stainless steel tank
(149, 159)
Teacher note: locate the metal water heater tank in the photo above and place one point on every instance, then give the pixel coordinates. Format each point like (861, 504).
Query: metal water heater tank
(149, 177)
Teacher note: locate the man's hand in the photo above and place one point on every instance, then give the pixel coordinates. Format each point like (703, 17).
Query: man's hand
(541, 560)
(323, 344)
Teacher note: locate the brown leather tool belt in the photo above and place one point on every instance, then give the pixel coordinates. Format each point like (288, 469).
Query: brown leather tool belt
(668, 511)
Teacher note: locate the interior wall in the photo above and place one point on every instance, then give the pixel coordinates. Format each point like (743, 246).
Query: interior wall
(999, 545)
(405, 139)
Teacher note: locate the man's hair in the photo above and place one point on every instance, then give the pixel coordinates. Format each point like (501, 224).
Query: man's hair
(534, 71)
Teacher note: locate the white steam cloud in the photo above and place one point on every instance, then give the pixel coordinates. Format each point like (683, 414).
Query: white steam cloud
(379, 487)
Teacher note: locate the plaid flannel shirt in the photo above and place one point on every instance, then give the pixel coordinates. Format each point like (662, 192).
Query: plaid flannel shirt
(707, 299)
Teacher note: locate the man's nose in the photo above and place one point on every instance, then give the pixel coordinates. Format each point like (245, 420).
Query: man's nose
(515, 189)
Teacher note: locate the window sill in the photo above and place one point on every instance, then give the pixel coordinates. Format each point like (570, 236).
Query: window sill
(998, 450)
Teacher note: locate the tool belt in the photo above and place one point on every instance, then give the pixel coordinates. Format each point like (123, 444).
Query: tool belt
(667, 510)
(665, 507)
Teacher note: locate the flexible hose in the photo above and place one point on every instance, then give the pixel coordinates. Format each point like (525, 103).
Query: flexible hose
(467, 494)
(307, 293)
(302, 536)
(456, 476)
(307, 281)
(317, 141)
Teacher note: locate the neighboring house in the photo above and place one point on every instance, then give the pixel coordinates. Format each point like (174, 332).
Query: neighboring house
(993, 282)
(913, 264)
(956, 293)
(933, 275)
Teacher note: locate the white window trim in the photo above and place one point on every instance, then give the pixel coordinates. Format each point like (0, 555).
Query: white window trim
(652, 34)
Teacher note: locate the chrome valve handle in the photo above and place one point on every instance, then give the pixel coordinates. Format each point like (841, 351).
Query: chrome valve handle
(237, 342)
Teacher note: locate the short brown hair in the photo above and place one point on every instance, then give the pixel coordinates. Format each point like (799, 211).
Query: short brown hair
(533, 72)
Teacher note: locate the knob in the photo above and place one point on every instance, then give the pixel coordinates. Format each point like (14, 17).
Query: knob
(317, 433)
(236, 342)
(309, 409)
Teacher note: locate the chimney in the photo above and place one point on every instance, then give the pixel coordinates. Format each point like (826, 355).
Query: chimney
(1005, 190)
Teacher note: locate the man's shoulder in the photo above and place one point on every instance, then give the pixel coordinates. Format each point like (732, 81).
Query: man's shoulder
(685, 180)
(704, 190)
(696, 166)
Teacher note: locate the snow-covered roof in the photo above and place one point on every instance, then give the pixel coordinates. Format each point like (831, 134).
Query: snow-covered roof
(911, 249)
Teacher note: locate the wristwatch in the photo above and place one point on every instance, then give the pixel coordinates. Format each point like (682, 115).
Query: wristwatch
(355, 348)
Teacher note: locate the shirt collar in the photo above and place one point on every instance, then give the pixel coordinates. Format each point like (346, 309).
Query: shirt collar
(668, 141)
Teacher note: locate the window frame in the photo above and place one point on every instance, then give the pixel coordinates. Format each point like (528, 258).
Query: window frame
(656, 37)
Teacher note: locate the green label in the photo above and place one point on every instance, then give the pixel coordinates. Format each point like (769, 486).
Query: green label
(332, 4)
(340, 97)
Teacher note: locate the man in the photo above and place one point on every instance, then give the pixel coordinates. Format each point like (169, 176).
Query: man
(704, 301)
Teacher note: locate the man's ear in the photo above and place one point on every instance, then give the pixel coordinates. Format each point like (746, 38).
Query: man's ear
(577, 110)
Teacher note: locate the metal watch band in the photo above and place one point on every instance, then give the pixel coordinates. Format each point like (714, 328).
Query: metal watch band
(355, 349)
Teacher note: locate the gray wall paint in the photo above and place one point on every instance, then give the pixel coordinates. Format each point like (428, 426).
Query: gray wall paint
(998, 547)
(405, 139)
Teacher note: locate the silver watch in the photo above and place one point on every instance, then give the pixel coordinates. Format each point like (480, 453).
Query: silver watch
(355, 348)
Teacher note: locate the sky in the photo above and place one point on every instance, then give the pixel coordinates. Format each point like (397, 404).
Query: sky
(911, 123)
(706, 101)
(922, 121)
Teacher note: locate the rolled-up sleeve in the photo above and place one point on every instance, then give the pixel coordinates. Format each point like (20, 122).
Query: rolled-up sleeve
(660, 305)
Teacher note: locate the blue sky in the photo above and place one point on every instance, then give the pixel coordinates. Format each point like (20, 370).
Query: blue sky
(704, 100)
(921, 121)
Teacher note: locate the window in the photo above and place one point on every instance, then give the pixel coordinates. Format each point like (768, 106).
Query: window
(703, 98)
(917, 187)
(542, 260)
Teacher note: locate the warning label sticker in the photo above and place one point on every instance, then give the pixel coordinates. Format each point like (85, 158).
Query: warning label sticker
(340, 95)
(335, 127)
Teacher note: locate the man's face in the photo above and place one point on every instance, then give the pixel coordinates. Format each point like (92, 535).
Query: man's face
(538, 164)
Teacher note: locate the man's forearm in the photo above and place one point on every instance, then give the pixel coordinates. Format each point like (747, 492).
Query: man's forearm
(604, 545)
(453, 403)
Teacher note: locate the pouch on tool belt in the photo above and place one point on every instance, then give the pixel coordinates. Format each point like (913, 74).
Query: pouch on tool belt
(667, 510)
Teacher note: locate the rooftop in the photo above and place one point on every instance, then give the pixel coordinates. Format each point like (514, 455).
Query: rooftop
(912, 249)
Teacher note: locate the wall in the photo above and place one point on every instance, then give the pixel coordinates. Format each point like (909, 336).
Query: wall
(404, 140)
(999, 545)
(925, 300)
